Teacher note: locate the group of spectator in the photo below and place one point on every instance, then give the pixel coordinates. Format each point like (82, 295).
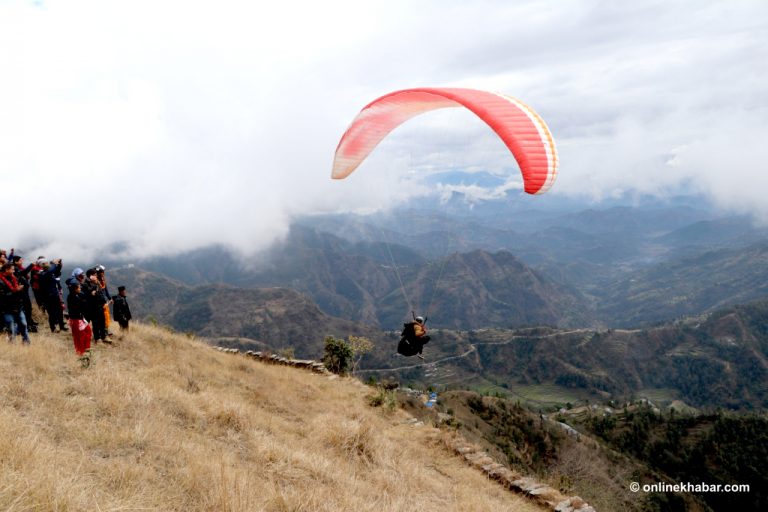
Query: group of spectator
(87, 307)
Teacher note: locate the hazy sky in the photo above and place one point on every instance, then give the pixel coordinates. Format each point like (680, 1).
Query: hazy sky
(175, 124)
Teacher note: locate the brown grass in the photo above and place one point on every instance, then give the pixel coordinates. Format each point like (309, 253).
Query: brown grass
(163, 422)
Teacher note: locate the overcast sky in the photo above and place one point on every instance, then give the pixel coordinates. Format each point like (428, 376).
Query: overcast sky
(176, 124)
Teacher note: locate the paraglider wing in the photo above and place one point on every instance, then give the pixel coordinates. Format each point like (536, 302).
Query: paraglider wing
(519, 127)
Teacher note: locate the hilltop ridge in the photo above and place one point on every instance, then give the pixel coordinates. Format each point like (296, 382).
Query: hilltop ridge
(161, 421)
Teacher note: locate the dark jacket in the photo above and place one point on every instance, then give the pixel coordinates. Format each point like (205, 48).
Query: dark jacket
(410, 344)
(22, 275)
(121, 312)
(76, 305)
(11, 301)
(94, 297)
(50, 286)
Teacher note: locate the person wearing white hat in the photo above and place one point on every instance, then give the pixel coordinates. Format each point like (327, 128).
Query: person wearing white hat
(34, 281)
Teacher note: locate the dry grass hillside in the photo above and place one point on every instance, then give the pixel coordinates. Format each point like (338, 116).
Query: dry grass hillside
(163, 422)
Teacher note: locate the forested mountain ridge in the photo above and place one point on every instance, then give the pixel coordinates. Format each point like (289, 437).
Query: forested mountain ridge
(273, 318)
(362, 282)
(689, 286)
(719, 360)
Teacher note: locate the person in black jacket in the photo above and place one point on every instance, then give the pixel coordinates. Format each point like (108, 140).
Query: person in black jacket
(50, 289)
(77, 304)
(22, 276)
(120, 309)
(96, 299)
(12, 303)
(414, 337)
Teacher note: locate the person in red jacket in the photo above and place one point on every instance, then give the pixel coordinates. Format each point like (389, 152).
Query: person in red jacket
(12, 303)
(34, 281)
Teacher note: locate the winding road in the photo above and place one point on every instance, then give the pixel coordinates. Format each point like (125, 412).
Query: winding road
(472, 348)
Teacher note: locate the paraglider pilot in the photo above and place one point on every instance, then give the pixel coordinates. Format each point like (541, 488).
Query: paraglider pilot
(414, 337)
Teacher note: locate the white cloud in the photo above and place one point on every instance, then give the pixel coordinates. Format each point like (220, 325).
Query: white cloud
(173, 124)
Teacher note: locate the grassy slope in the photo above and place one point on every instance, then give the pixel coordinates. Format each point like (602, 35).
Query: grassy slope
(162, 422)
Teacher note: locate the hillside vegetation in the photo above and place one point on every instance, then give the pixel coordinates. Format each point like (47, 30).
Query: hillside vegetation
(711, 361)
(163, 422)
(595, 450)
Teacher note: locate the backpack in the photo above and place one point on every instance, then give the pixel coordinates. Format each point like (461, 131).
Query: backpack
(409, 345)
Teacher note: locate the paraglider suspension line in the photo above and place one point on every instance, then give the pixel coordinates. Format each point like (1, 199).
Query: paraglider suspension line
(437, 283)
(397, 273)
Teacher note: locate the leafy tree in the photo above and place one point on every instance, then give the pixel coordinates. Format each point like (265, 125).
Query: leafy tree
(338, 355)
(360, 346)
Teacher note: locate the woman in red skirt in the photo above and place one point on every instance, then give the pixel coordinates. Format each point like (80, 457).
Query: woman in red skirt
(81, 329)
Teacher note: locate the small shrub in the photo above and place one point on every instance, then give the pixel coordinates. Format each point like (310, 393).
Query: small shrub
(383, 398)
(376, 400)
(452, 423)
(338, 355)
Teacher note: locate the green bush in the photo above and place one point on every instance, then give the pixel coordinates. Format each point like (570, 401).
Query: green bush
(387, 399)
(338, 355)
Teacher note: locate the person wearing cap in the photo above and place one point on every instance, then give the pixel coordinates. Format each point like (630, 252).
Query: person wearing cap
(121, 310)
(77, 276)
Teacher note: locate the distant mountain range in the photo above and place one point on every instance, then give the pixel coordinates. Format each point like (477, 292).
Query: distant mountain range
(560, 276)
(361, 281)
(687, 286)
(264, 318)
(632, 265)
(615, 290)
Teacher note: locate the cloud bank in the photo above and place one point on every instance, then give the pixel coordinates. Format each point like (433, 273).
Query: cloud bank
(173, 125)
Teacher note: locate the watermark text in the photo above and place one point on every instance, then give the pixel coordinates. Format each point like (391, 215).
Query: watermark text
(687, 487)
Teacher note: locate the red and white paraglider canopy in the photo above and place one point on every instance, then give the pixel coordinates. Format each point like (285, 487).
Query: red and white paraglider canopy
(518, 125)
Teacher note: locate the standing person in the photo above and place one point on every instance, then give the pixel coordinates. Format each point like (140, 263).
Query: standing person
(102, 280)
(81, 330)
(34, 281)
(22, 276)
(121, 310)
(95, 311)
(12, 303)
(50, 289)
